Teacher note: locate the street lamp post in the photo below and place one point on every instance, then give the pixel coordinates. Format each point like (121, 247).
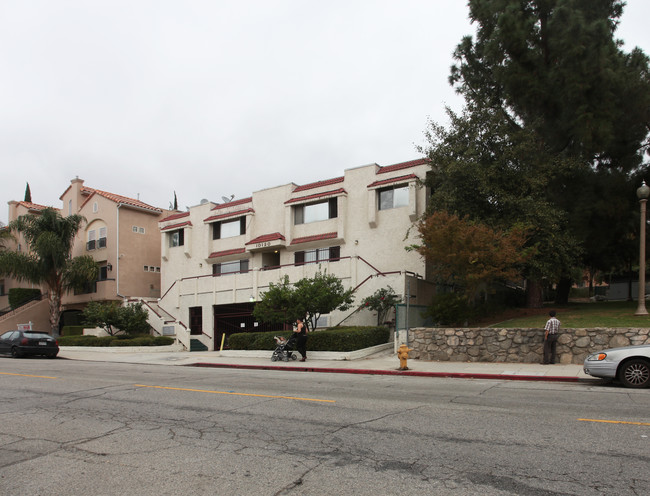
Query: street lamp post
(642, 193)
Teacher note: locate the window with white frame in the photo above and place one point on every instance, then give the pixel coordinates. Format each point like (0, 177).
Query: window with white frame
(314, 212)
(101, 242)
(92, 240)
(393, 197)
(95, 207)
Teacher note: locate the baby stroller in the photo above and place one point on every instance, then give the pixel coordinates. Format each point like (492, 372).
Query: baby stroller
(284, 349)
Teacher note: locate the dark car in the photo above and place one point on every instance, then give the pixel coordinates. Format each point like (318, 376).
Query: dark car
(23, 343)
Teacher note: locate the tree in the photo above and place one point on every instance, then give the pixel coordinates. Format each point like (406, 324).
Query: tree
(553, 105)
(28, 194)
(381, 301)
(175, 202)
(467, 255)
(48, 261)
(114, 318)
(308, 298)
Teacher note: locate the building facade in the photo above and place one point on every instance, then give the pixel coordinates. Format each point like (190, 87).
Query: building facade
(218, 259)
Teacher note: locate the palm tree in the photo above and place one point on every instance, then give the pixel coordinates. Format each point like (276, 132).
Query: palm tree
(48, 260)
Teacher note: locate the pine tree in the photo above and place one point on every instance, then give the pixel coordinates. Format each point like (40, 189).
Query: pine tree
(28, 194)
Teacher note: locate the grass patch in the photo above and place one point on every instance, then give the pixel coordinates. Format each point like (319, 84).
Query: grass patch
(575, 315)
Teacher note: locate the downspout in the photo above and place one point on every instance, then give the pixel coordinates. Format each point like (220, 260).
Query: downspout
(117, 262)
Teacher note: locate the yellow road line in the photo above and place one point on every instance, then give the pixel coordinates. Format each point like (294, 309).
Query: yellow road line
(614, 422)
(28, 375)
(235, 394)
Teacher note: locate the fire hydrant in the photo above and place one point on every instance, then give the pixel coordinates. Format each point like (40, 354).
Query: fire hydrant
(403, 354)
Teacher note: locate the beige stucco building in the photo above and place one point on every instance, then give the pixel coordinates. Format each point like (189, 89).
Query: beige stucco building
(217, 259)
(120, 233)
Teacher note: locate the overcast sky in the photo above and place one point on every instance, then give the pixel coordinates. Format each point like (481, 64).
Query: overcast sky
(213, 98)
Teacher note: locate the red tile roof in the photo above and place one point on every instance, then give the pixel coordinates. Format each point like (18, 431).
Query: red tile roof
(32, 206)
(317, 195)
(225, 253)
(319, 184)
(393, 180)
(175, 216)
(403, 165)
(267, 237)
(238, 213)
(175, 226)
(123, 200)
(317, 237)
(233, 203)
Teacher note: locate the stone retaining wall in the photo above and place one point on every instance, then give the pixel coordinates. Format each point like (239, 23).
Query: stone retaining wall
(516, 344)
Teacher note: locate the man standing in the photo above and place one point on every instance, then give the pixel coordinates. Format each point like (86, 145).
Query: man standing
(552, 329)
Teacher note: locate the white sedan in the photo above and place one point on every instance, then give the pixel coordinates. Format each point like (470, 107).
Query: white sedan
(630, 365)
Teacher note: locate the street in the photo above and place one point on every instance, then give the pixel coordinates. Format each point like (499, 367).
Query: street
(73, 427)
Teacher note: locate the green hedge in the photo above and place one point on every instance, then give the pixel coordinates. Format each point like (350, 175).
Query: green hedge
(18, 296)
(121, 340)
(70, 330)
(333, 339)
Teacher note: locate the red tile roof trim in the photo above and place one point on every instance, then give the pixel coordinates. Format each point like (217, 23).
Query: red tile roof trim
(339, 191)
(317, 237)
(233, 203)
(32, 206)
(176, 226)
(319, 184)
(175, 216)
(129, 202)
(410, 177)
(403, 165)
(225, 253)
(267, 237)
(238, 213)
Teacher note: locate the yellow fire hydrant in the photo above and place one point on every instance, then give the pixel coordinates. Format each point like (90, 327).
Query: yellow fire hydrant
(403, 354)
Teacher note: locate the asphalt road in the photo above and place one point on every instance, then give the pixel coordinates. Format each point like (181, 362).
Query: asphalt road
(78, 428)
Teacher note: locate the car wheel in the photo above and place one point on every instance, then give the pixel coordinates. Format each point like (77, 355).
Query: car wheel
(635, 373)
(51, 355)
(15, 353)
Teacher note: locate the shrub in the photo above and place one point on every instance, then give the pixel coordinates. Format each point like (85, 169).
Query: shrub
(332, 339)
(72, 330)
(449, 309)
(121, 340)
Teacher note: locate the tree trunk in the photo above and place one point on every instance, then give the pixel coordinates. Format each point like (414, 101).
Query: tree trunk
(534, 297)
(55, 313)
(562, 291)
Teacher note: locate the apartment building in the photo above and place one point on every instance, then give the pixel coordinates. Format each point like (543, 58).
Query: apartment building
(120, 233)
(218, 259)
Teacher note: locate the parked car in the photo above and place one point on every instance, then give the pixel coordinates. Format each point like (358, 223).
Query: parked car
(22, 343)
(630, 365)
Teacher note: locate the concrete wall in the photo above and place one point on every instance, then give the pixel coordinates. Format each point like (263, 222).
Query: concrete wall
(517, 344)
(36, 312)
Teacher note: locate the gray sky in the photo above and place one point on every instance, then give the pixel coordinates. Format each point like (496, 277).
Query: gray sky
(211, 98)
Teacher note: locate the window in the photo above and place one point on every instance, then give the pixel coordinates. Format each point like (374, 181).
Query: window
(134, 229)
(95, 207)
(228, 229)
(146, 268)
(137, 230)
(103, 273)
(91, 245)
(69, 207)
(333, 254)
(102, 238)
(314, 212)
(230, 267)
(196, 320)
(141, 230)
(177, 238)
(393, 197)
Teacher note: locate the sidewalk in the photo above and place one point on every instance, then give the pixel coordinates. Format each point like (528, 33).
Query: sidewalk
(378, 362)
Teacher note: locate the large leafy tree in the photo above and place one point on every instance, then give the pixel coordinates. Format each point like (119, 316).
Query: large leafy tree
(307, 299)
(554, 111)
(115, 318)
(48, 261)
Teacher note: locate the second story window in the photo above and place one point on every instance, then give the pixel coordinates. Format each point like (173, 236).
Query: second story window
(314, 212)
(92, 240)
(229, 229)
(393, 197)
(177, 238)
(102, 238)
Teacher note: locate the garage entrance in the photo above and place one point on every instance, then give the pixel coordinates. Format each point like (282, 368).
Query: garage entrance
(238, 317)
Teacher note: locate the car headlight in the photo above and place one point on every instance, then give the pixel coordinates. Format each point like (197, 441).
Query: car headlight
(597, 357)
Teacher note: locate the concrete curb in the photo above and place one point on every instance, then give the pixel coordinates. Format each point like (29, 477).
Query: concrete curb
(459, 375)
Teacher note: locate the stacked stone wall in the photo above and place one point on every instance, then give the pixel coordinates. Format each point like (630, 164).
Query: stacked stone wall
(523, 345)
